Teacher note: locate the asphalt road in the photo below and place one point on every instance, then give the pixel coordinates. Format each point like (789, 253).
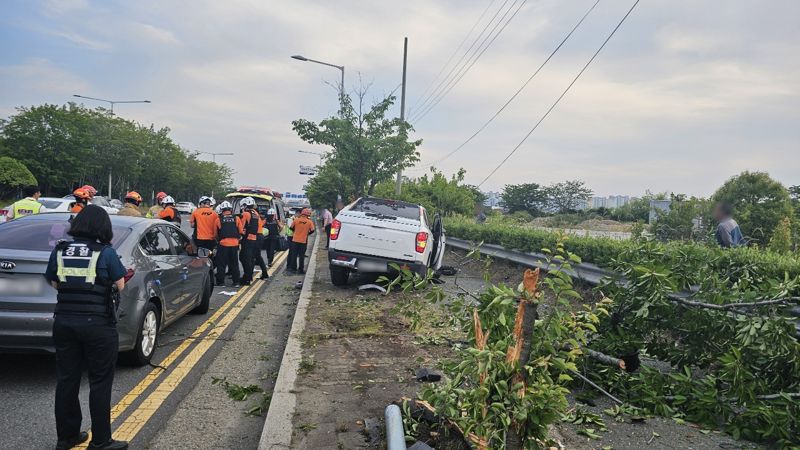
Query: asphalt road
(27, 382)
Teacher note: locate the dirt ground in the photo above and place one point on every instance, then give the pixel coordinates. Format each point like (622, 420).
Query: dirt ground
(359, 355)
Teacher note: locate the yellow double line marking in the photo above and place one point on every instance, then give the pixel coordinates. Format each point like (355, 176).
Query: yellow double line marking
(139, 417)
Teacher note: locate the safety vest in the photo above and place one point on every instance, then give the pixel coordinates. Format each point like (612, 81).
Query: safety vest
(25, 207)
(228, 228)
(251, 227)
(288, 227)
(80, 290)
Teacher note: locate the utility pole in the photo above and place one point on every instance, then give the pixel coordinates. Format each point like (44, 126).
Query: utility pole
(399, 185)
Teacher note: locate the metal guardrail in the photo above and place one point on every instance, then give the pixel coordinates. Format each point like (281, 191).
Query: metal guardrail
(586, 272)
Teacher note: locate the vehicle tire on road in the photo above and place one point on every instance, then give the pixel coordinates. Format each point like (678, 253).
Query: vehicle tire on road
(339, 276)
(146, 338)
(205, 298)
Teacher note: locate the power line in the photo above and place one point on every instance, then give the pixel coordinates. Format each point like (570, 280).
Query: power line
(521, 88)
(461, 59)
(447, 63)
(464, 72)
(547, 113)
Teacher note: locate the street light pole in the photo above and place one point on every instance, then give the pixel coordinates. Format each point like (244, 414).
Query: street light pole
(214, 155)
(321, 155)
(303, 58)
(111, 114)
(399, 184)
(110, 102)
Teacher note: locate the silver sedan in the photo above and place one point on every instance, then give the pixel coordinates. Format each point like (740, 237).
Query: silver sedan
(167, 279)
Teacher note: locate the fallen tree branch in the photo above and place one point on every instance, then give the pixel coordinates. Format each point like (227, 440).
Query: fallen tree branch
(735, 306)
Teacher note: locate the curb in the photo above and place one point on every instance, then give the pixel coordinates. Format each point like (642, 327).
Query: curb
(277, 432)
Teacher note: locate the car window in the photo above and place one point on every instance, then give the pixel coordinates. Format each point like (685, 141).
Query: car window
(43, 235)
(51, 204)
(155, 243)
(180, 241)
(387, 208)
(101, 201)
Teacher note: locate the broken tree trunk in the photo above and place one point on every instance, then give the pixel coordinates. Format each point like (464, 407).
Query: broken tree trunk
(520, 351)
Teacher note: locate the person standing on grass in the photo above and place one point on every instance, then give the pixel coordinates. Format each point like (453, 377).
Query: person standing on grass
(327, 220)
(728, 232)
(302, 228)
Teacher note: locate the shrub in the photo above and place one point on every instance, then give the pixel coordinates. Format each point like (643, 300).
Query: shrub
(13, 176)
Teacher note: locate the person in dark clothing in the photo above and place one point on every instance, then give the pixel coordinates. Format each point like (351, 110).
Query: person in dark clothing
(229, 231)
(273, 227)
(728, 233)
(85, 272)
(251, 245)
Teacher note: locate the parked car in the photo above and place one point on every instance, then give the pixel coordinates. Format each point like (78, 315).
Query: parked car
(167, 279)
(370, 234)
(61, 204)
(185, 207)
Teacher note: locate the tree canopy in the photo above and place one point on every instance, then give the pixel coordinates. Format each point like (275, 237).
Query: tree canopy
(436, 193)
(528, 197)
(68, 146)
(367, 148)
(567, 196)
(13, 176)
(760, 203)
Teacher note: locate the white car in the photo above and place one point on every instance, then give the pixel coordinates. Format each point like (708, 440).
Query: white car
(185, 207)
(61, 204)
(371, 234)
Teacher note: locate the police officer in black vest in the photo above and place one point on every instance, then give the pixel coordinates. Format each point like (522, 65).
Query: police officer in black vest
(87, 272)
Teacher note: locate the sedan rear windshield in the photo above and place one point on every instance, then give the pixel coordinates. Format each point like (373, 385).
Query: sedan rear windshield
(42, 235)
(51, 204)
(389, 209)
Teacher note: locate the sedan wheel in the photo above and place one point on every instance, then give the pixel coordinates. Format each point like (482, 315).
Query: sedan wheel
(149, 332)
(146, 338)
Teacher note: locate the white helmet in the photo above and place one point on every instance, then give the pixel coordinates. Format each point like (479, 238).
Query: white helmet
(225, 205)
(168, 200)
(218, 210)
(271, 212)
(213, 202)
(204, 199)
(248, 201)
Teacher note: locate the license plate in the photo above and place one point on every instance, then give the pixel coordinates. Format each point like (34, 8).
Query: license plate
(20, 288)
(372, 266)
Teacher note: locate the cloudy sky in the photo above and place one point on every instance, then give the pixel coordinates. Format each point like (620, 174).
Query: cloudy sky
(685, 95)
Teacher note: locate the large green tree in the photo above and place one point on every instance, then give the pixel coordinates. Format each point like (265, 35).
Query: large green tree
(13, 176)
(436, 192)
(759, 202)
(567, 196)
(367, 148)
(529, 197)
(68, 146)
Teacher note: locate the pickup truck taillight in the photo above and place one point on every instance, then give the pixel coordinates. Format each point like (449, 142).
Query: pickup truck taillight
(422, 241)
(335, 227)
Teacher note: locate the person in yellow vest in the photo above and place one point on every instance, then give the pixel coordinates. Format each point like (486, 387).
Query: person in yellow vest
(156, 209)
(28, 205)
(131, 206)
(82, 196)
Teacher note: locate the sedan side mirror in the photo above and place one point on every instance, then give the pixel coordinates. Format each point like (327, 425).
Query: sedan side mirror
(203, 252)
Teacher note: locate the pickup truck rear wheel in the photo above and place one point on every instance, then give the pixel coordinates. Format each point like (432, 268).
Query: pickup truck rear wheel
(339, 275)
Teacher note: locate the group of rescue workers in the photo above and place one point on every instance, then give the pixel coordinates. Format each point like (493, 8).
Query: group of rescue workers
(87, 271)
(233, 238)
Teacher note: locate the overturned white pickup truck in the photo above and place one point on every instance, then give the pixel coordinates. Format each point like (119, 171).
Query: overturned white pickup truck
(371, 233)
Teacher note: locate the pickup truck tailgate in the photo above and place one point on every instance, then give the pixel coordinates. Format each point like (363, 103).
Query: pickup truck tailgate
(378, 236)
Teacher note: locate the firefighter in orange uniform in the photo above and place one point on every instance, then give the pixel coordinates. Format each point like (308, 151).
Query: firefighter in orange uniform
(82, 197)
(204, 221)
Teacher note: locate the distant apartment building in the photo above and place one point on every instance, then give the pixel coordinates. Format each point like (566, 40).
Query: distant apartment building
(610, 202)
(493, 199)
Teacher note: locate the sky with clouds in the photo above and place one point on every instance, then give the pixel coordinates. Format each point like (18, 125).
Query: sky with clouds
(685, 95)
